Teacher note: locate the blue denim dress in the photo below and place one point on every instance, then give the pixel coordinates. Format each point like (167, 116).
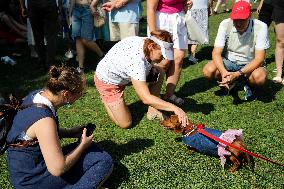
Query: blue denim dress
(202, 143)
(27, 167)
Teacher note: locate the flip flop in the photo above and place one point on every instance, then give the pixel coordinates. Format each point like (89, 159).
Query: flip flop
(156, 115)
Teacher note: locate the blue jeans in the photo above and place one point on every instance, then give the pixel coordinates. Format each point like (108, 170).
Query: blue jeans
(28, 170)
(83, 23)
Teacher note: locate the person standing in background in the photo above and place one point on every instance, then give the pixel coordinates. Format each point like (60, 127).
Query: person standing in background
(278, 18)
(43, 15)
(169, 15)
(199, 12)
(124, 19)
(81, 12)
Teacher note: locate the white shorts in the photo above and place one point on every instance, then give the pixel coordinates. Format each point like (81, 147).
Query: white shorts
(119, 31)
(175, 24)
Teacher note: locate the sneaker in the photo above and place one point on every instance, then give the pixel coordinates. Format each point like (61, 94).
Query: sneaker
(249, 96)
(69, 54)
(192, 59)
(80, 70)
(34, 54)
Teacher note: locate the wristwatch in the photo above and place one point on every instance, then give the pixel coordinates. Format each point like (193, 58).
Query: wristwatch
(241, 72)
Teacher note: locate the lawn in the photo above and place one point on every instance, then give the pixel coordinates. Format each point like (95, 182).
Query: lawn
(147, 156)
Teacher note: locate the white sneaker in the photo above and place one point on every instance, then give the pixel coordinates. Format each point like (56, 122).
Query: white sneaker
(249, 96)
(69, 54)
(80, 70)
(192, 59)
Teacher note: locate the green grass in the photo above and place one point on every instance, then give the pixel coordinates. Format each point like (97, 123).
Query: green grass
(147, 156)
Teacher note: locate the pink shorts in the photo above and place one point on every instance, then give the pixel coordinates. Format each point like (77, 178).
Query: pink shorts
(109, 93)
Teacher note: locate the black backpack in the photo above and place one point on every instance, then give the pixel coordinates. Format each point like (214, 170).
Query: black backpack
(7, 114)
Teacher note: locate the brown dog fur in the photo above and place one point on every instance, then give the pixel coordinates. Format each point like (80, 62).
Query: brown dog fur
(237, 157)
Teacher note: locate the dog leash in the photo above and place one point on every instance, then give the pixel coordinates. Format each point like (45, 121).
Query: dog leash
(200, 129)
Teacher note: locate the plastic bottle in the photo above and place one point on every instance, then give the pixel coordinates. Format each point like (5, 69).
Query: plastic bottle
(8, 60)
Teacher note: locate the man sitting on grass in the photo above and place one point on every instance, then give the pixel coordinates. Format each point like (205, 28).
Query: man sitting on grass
(239, 51)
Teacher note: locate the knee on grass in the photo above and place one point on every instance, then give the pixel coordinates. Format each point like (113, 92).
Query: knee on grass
(125, 125)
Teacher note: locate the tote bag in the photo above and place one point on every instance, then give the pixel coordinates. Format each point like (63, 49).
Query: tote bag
(100, 16)
(193, 30)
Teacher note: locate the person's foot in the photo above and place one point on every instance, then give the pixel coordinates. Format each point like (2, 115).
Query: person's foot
(277, 79)
(80, 70)
(249, 94)
(69, 54)
(153, 114)
(192, 59)
(224, 91)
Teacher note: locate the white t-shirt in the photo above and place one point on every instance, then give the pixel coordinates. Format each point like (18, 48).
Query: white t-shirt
(125, 60)
(243, 54)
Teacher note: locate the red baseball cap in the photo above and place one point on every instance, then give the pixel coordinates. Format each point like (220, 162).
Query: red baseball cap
(240, 10)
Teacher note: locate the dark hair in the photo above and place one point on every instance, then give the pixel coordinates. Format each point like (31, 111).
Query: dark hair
(65, 78)
(160, 34)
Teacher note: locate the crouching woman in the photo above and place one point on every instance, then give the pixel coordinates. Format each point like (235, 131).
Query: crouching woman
(132, 61)
(35, 157)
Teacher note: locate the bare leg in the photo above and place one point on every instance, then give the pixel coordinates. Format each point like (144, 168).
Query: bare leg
(279, 50)
(211, 72)
(80, 52)
(174, 72)
(18, 25)
(217, 5)
(258, 77)
(93, 46)
(120, 114)
(6, 19)
(155, 89)
(193, 49)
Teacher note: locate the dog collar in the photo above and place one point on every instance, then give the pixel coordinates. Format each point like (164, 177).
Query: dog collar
(188, 133)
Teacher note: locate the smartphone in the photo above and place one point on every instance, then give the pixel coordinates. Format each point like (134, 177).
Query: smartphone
(90, 128)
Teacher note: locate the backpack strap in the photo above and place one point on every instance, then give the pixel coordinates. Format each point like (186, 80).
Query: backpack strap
(38, 105)
(26, 143)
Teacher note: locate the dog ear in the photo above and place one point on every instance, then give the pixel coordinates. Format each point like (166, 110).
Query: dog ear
(174, 119)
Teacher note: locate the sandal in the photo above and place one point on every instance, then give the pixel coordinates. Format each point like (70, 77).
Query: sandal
(156, 115)
(176, 100)
(277, 79)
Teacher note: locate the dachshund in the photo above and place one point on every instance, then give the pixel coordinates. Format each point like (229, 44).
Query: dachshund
(196, 141)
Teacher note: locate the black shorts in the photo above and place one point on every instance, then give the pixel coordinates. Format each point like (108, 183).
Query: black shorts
(278, 11)
(265, 14)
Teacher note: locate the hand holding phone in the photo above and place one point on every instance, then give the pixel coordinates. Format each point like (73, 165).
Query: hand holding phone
(90, 128)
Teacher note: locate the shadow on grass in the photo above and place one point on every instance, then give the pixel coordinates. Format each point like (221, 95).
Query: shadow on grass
(270, 59)
(268, 92)
(190, 105)
(139, 109)
(119, 151)
(25, 76)
(205, 53)
(195, 86)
